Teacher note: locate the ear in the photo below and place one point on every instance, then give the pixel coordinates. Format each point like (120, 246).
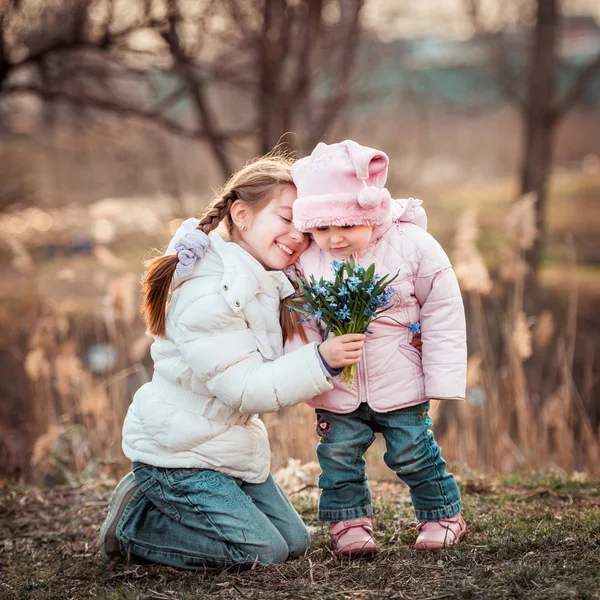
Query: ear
(240, 214)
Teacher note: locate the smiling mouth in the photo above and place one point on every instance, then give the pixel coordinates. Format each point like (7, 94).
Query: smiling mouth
(289, 251)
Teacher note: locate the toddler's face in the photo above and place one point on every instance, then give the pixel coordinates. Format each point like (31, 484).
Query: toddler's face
(342, 241)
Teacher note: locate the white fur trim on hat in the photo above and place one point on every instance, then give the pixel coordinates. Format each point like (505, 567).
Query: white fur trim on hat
(340, 210)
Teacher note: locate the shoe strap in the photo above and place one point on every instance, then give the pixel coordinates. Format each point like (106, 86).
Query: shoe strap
(364, 523)
(445, 523)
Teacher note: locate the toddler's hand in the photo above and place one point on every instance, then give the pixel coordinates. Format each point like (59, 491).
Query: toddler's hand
(342, 350)
(416, 342)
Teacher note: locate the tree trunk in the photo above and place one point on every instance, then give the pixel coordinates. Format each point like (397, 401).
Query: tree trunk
(539, 125)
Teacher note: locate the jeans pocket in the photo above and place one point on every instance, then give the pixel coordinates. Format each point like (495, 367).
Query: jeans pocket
(421, 414)
(193, 480)
(153, 490)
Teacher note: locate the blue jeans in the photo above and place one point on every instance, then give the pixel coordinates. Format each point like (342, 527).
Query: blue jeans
(199, 518)
(411, 452)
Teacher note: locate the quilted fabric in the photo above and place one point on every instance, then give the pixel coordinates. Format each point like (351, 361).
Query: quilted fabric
(393, 374)
(220, 364)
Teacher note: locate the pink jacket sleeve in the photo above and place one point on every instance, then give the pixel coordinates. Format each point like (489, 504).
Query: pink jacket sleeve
(443, 328)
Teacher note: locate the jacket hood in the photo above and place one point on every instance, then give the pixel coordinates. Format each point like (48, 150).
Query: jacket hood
(409, 210)
(403, 210)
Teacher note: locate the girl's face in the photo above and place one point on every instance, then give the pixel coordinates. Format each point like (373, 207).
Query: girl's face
(269, 235)
(342, 241)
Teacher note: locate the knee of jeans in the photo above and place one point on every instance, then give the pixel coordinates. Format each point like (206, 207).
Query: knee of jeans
(339, 453)
(299, 543)
(414, 459)
(275, 554)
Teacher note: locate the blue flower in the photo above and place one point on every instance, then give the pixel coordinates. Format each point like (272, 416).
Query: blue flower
(318, 314)
(291, 309)
(343, 291)
(321, 290)
(384, 299)
(414, 327)
(359, 270)
(371, 288)
(343, 314)
(376, 276)
(336, 265)
(353, 283)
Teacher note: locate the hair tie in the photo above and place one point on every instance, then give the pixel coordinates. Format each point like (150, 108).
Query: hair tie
(190, 248)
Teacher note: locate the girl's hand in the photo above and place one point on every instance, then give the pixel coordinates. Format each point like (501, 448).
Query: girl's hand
(416, 342)
(342, 350)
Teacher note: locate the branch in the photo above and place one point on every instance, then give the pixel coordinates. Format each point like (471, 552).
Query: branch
(585, 77)
(77, 43)
(502, 75)
(4, 64)
(506, 80)
(185, 67)
(123, 110)
(342, 86)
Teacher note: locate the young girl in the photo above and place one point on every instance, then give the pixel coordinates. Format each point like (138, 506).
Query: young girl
(200, 494)
(346, 209)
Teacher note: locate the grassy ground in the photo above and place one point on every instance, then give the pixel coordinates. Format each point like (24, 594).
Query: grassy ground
(532, 537)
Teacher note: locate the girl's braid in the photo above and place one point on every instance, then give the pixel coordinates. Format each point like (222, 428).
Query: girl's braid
(216, 213)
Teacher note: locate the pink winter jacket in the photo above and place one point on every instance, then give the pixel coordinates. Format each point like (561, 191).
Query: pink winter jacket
(393, 374)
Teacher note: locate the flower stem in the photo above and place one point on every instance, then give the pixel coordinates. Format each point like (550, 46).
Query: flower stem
(348, 374)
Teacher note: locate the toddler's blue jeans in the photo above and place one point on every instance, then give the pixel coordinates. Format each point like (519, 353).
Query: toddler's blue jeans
(411, 452)
(200, 518)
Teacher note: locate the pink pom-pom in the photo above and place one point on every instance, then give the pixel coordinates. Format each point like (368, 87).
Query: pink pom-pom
(370, 197)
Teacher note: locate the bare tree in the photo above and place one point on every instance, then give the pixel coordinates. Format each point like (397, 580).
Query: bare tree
(537, 97)
(69, 54)
(288, 65)
(301, 54)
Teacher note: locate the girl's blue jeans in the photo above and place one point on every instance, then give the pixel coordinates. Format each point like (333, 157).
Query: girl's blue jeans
(411, 452)
(199, 518)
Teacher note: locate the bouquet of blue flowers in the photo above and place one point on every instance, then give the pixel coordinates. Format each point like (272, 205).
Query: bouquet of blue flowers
(354, 298)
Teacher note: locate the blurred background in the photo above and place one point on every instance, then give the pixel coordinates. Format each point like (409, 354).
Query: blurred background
(118, 119)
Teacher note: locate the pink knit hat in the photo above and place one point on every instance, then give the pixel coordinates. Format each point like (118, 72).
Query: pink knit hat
(341, 184)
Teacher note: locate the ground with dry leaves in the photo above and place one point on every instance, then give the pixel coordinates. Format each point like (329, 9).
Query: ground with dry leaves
(533, 537)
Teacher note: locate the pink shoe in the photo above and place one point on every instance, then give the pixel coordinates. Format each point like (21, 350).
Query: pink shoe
(353, 538)
(435, 535)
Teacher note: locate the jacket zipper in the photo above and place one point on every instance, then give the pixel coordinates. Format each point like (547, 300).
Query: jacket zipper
(360, 380)
(363, 375)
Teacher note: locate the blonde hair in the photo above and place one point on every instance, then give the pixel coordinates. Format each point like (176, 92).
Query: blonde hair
(255, 184)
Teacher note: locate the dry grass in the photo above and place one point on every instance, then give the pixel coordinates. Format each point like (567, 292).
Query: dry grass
(530, 537)
(532, 374)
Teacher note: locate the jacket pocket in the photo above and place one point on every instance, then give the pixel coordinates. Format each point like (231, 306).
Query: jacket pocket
(411, 354)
